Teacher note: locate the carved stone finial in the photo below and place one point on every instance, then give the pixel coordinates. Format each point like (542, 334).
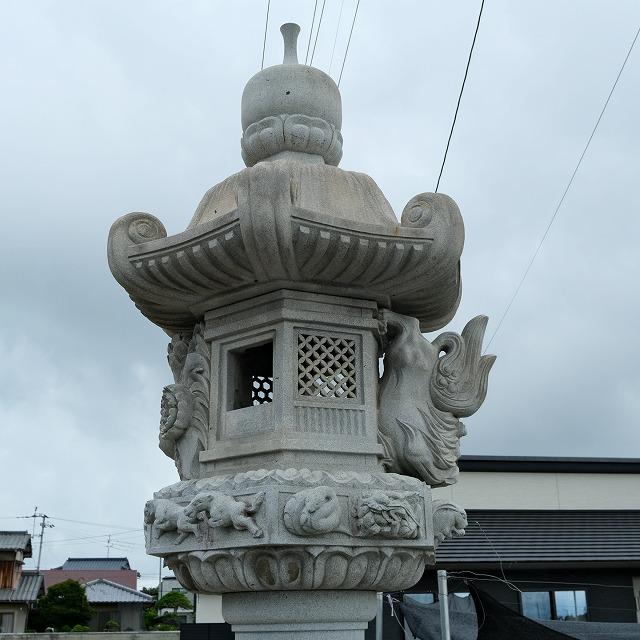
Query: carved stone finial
(290, 32)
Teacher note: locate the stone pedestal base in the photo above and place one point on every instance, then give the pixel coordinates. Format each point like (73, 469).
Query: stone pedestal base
(299, 615)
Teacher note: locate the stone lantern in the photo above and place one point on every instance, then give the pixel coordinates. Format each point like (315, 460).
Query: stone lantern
(305, 478)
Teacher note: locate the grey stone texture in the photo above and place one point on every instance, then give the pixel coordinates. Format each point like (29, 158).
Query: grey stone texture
(304, 478)
(300, 615)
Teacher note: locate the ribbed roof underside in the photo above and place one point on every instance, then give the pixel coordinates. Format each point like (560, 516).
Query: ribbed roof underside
(15, 541)
(546, 536)
(27, 591)
(102, 590)
(106, 564)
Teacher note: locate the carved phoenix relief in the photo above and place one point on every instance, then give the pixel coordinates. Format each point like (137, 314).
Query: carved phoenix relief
(426, 387)
(184, 409)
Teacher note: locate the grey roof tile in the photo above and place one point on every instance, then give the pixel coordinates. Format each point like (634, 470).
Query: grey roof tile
(106, 564)
(545, 536)
(15, 541)
(28, 589)
(102, 590)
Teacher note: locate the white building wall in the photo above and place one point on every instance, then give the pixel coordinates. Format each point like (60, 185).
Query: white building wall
(209, 608)
(567, 491)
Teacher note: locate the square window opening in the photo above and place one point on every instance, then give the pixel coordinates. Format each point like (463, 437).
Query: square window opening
(250, 375)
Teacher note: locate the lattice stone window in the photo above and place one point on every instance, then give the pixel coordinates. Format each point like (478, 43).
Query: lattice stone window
(326, 366)
(261, 389)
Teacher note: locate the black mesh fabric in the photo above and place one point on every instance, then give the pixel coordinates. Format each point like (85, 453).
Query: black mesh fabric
(498, 622)
(424, 619)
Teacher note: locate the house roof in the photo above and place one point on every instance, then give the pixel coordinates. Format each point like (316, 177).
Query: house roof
(545, 464)
(496, 537)
(102, 590)
(16, 541)
(29, 587)
(105, 564)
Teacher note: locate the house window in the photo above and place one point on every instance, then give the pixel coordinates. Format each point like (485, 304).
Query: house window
(570, 605)
(250, 376)
(419, 598)
(536, 604)
(554, 605)
(6, 622)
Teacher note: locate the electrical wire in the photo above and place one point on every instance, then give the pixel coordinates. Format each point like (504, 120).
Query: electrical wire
(313, 21)
(94, 524)
(335, 39)
(464, 80)
(102, 535)
(564, 194)
(264, 42)
(315, 42)
(355, 13)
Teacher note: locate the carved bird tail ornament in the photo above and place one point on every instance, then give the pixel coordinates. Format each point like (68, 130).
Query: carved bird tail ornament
(423, 395)
(185, 404)
(459, 383)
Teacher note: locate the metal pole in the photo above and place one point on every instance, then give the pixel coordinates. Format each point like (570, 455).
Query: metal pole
(43, 523)
(379, 613)
(443, 597)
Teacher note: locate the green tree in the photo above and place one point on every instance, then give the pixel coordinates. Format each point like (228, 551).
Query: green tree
(65, 605)
(151, 591)
(150, 615)
(174, 600)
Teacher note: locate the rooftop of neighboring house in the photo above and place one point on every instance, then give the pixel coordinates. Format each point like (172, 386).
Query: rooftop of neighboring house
(29, 588)
(84, 570)
(106, 591)
(16, 541)
(105, 564)
(549, 464)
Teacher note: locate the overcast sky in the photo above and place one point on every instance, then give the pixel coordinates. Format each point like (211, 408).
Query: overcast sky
(111, 106)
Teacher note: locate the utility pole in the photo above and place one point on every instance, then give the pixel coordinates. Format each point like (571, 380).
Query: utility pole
(109, 545)
(43, 525)
(443, 597)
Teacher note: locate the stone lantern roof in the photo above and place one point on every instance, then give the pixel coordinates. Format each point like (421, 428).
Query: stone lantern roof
(292, 219)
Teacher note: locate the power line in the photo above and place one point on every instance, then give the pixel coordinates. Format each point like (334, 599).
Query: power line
(315, 42)
(464, 80)
(564, 194)
(355, 13)
(94, 524)
(313, 21)
(264, 42)
(96, 537)
(335, 39)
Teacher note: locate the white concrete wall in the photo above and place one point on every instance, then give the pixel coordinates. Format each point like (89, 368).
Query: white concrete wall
(19, 612)
(209, 608)
(508, 490)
